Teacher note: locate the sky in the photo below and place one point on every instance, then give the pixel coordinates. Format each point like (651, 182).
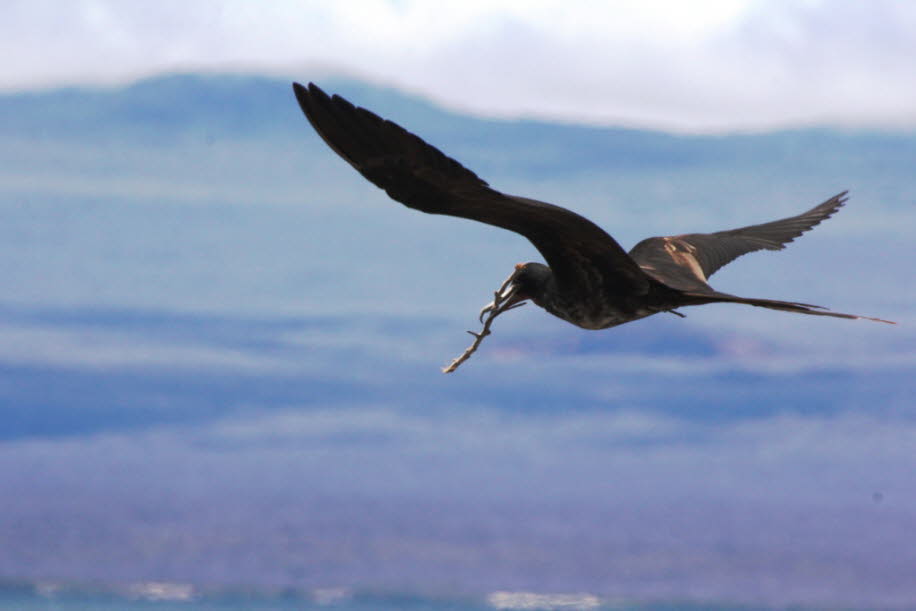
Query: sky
(705, 65)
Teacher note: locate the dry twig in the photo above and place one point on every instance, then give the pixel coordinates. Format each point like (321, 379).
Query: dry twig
(494, 309)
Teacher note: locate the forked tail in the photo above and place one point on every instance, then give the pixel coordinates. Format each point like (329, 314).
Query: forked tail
(786, 306)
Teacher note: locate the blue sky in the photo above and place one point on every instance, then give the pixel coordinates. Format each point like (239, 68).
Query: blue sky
(698, 66)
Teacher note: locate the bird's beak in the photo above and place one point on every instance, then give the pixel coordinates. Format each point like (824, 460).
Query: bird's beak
(506, 298)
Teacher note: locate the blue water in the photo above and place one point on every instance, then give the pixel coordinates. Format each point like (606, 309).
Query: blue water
(22, 596)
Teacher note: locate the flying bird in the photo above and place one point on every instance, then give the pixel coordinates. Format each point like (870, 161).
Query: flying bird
(589, 280)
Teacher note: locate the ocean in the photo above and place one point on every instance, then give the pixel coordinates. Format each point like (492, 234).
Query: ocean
(182, 597)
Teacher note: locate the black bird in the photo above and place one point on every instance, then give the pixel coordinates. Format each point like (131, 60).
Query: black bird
(589, 280)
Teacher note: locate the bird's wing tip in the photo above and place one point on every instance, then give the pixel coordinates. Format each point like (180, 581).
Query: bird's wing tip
(309, 88)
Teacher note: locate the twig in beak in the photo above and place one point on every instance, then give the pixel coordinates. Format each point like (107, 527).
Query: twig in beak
(501, 303)
(502, 294)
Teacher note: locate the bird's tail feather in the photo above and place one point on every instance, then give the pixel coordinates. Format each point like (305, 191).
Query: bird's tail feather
(774, 304)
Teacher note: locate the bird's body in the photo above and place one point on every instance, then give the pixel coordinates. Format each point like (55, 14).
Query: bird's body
(597, 305)
(589, 280)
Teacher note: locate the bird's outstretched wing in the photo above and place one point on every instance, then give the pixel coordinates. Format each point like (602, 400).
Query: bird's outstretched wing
(687, 261)
(423, 178)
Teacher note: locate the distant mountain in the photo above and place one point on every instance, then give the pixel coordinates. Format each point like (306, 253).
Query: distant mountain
(179, 106)
(170, 106)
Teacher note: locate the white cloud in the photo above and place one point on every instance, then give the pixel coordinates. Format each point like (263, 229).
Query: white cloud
(697, 65)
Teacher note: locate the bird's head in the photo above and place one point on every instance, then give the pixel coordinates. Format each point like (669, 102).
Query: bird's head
(528, 281)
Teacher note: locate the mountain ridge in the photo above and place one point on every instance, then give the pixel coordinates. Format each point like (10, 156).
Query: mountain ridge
(245, 106)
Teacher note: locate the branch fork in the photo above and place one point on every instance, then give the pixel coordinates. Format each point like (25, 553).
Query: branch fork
(502, 302)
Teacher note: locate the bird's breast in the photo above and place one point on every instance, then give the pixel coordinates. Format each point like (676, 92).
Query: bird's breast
(594, 316)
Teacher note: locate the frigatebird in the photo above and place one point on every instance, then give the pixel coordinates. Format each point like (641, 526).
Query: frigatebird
(589, 280)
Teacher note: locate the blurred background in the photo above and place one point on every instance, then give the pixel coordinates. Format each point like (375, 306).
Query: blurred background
(220, 346)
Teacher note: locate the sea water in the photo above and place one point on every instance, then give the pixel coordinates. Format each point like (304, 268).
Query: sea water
(182, 597)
